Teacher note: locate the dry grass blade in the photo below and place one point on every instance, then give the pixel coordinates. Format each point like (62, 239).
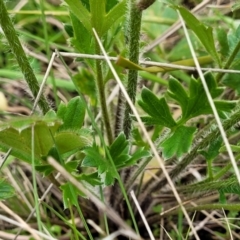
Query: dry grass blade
(142, 215)
(43, 83)
(147, 63)
(20, 220)
(152, 146)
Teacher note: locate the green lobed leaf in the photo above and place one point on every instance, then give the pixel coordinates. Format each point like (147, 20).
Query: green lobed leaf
(20, 140)
(157, 109)
(92, 179)
(6, 190)
(137, 155)
(46, 169)
(67, 141)
(117, 11)
(72, 114)
(119, 146)
(82, 39)
(178, 143)
(223, 42)
(93, 158)
(119, 151)
(194, 102)
(79, 10)
(138, 139)
(203, 32)
(70, 195)
(110, 4)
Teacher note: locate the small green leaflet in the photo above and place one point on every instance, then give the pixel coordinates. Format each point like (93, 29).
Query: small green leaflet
(178, 142)
(119, 151)
(157, 109)
(72, 114)
(194, 102)
(70, 195)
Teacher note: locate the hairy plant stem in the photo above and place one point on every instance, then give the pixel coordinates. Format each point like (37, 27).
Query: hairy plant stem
(102, 97)
(229, 62)
(133, 38)
(20, 56)
(211, 135)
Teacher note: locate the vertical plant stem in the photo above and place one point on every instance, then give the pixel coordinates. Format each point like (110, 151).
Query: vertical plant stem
(102, 98)
(229, 62)
(35, 187)
(133, 35)
(20, 55)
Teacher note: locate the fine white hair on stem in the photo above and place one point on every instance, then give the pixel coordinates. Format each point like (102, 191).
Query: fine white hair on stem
(144, 130)
(43, 82)
(142, 215)
(210, 100)
(148, 63)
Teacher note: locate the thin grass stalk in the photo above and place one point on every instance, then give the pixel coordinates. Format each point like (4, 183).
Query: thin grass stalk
(73, 221)
(102, 98)
(66, 221)
(20, 56)
(35, 187)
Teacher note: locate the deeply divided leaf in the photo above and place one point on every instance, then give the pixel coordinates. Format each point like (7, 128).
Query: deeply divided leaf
(72, 114)
(194, 102)
(157, 109)
(178, 142)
